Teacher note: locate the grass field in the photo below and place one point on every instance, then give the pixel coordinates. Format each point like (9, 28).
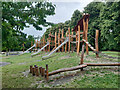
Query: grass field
(16, 74)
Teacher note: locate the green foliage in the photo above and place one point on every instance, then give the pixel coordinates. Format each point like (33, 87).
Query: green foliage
(18, 15)
(104, 17)
(110, 24)
(75, 18)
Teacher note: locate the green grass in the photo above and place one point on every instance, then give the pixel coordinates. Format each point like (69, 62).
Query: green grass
(13, 77)
(112, 53)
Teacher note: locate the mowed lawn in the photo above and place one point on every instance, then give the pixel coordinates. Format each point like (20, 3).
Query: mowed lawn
(16, 74)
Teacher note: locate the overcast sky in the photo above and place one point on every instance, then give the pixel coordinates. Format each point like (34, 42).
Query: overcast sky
(63, 12)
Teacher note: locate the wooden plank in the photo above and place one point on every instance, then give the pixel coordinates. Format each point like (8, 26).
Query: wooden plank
(51, 35)
(67, 69)
(89, 45)
(103, 64)
(78, 48)
(96, 43)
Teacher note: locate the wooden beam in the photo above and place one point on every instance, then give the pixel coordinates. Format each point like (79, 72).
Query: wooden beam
(96, 43)
(78, 48)
(92, 48)
(67, 69)
(101, 64)
(51, 35)
(82, 54)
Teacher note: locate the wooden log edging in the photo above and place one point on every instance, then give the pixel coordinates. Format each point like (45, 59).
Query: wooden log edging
(67, 69)
(103, 64)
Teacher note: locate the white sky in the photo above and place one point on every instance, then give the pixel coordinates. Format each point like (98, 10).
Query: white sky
(63, 12)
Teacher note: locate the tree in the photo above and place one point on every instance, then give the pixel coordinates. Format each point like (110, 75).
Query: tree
(110, 24)
(18, 15)
(76, 16)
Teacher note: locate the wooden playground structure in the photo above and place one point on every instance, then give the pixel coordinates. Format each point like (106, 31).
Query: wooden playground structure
(76, 36)
(61, 43)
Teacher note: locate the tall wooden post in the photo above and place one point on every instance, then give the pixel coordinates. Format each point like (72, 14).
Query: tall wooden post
(82, 54)
(55, 39)
(31, 45)
(78, 49)
(59, 40)
(66, 44)
(69, 40)
(86, 31)
(49, 41)
(39, 44)
(44, 41)
(76, 39)
(96, 42)
(47, 76)
(40, 69)
(23, 47)
(72, 41)
(35, 44)
(36, 71)
(31, 68)
(62, 40)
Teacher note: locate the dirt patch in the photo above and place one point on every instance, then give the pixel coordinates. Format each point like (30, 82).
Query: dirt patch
(28, 62)
(26, 73)
(4, 63)
(65, 57)
(107, 56)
